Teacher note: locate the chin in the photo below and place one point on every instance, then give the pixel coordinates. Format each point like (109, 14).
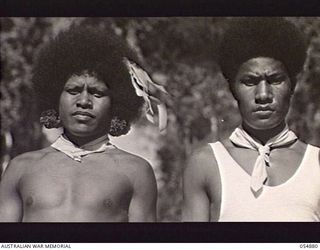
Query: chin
(263, 125)
(81, 132)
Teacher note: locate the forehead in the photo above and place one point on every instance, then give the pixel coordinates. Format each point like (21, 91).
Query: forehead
(261, 65)
(85, 79)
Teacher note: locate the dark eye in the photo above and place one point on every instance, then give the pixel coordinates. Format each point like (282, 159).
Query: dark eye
(72, 91)
(100, 94)
(248, 81)
(275, 80)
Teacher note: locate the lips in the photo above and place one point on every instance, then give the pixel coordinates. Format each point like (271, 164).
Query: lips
(263, 108)
(263, 112)
(83, 114)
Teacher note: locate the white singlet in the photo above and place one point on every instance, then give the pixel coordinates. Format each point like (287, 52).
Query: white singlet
(297, 199)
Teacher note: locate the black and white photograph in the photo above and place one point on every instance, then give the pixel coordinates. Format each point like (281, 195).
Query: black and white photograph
(160, 119)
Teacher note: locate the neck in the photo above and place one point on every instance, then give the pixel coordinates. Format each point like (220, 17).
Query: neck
(263, 136)
(80, 141)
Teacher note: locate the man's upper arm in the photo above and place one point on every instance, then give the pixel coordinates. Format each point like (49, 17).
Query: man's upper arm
(143, 205)
(10, 201)
(196, 199)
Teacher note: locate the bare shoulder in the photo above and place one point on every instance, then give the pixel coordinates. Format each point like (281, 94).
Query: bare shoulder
(201, 155)
(202, 162)
(129, 158)
(21, 163)
(133, 165)
(34, 155)
(29, 158)
(202, 171)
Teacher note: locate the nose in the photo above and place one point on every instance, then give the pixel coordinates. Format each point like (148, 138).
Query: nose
(84, 100)
(263, 93)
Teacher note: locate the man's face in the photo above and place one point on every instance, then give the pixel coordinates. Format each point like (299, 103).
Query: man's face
(85, 106)
(263, 91)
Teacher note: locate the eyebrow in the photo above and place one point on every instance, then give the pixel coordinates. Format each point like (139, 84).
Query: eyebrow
(256, 75)
(99, 87)
(272, 74)
(77, 83)
(72, 84)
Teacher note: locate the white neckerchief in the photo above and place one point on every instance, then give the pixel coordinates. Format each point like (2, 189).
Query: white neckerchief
(259, 174)
(64, 145)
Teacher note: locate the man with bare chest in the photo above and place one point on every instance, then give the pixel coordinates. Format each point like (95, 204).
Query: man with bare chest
(262, 172)
(100, 188)
(82, 177)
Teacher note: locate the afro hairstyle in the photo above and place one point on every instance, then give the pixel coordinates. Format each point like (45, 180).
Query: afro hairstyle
(87, 49)
(252, 37)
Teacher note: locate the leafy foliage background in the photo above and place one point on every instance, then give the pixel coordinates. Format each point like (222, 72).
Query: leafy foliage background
(179, 53)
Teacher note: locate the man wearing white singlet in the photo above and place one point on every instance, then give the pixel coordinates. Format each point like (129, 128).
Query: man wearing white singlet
(262, 172)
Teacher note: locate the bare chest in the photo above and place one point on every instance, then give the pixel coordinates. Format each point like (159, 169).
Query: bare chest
(69, 184)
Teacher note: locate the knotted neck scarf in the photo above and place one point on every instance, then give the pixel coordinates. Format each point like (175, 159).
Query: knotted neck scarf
(64, 145)
(259, 174)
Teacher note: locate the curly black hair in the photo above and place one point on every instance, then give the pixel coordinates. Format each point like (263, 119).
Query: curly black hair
(84, 48)
(251, 37)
